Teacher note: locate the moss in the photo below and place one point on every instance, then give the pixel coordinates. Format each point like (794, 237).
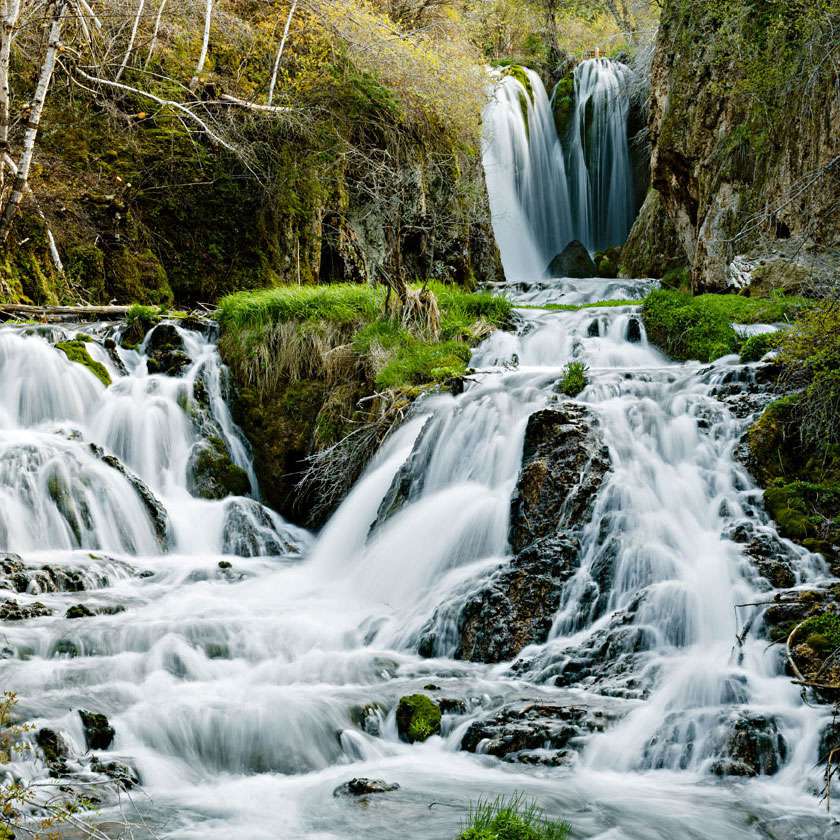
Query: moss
(418, 718)
(85, 264)
(76, 351)
(574, 379)
(215, 475)
(756, 347)
(521, 75)
(677, 278)
(137, 277)
(822, 632)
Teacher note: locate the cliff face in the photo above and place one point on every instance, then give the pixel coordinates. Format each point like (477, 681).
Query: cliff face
(745, 149)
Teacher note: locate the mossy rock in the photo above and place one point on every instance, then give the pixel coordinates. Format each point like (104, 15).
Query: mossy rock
(518, 72)
(137, 277)
(756, 347)
(76, 351)
(418, 718)
(213, 474)
(85, 264)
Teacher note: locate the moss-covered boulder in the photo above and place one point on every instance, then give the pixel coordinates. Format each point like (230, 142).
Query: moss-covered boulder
(213, 474)
(165, 351)
(137, 276)
(418, 718)
(76, 351)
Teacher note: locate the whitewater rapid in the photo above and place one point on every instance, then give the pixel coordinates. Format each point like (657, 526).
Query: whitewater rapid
(243, 694)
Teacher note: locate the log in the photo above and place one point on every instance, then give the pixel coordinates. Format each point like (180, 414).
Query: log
(11, 310)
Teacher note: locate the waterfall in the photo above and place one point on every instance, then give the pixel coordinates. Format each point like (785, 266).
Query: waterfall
(547, 190)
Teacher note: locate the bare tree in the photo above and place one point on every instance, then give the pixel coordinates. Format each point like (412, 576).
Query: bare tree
(205, 44)
(10, 10)
(140, 6)
(280, 52)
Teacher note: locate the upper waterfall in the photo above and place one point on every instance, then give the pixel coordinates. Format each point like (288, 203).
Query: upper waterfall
(548, 188)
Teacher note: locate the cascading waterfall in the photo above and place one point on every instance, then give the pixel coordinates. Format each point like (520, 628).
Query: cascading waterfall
(546, 190)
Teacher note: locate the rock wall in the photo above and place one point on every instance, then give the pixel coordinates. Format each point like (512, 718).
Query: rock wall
(745, 148)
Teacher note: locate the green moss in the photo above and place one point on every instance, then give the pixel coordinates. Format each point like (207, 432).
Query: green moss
(139, 320)
(215, 475)
(701, 328)
(756, 347)
(520, 74)
(574, 379)
(511, 819)
(677, 278)
(137, 276)
(822, 632)
(76, 351)
(418, 718)
(85, 264)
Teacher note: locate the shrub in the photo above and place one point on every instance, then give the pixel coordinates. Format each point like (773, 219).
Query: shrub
(511, 819)
(574, 379)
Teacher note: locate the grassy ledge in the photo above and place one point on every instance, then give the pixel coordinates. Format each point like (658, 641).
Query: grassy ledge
(511, 819)
(700, 328)
(576, 307)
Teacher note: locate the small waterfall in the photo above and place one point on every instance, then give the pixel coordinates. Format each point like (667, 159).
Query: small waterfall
(546, 190)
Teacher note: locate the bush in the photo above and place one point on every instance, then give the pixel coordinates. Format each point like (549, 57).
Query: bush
(574, 379)
(756, 347)
(511, 819)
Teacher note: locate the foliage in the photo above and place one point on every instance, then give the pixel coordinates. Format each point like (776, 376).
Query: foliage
(514, 818)
(756, 347)
(574, 379)
(77, 352)
(701, 328)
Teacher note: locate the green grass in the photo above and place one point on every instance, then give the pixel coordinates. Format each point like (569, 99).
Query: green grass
(76, 351)
(401, 357)
(574, 379)
(700, 328)
(514, 818)
(576, 307)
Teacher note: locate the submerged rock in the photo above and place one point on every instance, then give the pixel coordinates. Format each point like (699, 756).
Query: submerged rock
(249, 531)
(564, 463)
(364, 787)
(754, 747)
(78, 611)
(99, 734)
(774, 559)
(125, 777)
(573, 261)
(418, 718)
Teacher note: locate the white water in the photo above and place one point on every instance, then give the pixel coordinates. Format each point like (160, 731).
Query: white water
(237, 694)
(545, 190)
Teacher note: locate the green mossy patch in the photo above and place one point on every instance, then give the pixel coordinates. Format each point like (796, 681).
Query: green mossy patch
(76, 351)
(418, 718)
(215, 475)
(756, 347)
(511, 819)
(574, 379)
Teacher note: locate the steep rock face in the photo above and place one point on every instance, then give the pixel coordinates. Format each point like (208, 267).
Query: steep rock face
(743, 130)
(653, 247)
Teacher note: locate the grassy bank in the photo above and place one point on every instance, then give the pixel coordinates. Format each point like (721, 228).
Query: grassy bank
(700, 328)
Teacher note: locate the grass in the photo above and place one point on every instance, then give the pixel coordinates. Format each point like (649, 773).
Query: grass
(700, 327)
(513, 818)
(576, 307)
(397, 356)
(574, 379)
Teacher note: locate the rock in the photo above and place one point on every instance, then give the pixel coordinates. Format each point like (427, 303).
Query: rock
(55, 750)
(65, 647)
(78, 611)
(535, 732)
(516, 606)
(754, 747)
(212, 473)
(224, 565)
(653, 247)
(13, 573)
(250, 532)
(13, 611)
(594, 329)
(775, 560)
(418, 718)
(634, 331)
(564, 464)
(125, 777)
(99, 734)
(573, 261)
(165, 351)
(364, 787)
(452, 706)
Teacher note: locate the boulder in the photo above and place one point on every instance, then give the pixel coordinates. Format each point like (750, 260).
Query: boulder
(774, 559)
(78, 611)
(364, 787)
(564, 464)
(753, 747)
(213, 474)
(573, 261)
(165, 351)
(99, 734)
(11, 610)
(418, 718)
(55, 751)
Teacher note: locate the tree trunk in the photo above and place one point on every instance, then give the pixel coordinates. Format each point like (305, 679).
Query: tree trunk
(153, 44)
(202, 59)
(140, 6)
(280, 52)
(56, 14)
(10, 11)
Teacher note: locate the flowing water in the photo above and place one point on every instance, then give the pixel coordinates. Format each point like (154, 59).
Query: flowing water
(243, 696)
(547, 190)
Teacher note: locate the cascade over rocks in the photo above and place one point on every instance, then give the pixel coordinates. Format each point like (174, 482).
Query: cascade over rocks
(573, 261)
(165, 351)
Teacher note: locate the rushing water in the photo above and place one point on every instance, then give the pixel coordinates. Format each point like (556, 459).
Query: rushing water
(243, 696)
(547, 190)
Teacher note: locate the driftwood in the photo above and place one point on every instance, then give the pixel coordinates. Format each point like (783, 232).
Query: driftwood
(54, 313)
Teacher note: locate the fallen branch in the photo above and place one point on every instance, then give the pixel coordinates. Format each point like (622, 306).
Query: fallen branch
(227, 99)
(47, 312)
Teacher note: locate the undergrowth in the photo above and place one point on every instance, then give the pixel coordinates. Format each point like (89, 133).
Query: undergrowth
(514, 818)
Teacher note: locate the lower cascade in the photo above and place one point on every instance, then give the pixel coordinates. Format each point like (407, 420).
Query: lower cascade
(571, 584)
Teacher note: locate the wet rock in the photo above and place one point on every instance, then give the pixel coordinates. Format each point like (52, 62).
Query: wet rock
(564, 464)
(13, 573)
(364, 787)
(13, 611)
(775, 560)
(224, 565)
(99, 734)
(78, 611)
(535, 732)
(125, 777)
(165, 351)
(452, 706)
(754, 747)
(250, 532)
(634, 331)
(116, 609)
(829, 741)
(55, 751)
(594, 329)
(573, 261)
(212, 472)
(516, 606)
(65, 647)
(418, 718)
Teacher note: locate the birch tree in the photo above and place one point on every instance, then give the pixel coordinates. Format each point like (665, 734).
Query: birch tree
(10, 10)
(135, 26)
(205, 44)
(280, 52)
